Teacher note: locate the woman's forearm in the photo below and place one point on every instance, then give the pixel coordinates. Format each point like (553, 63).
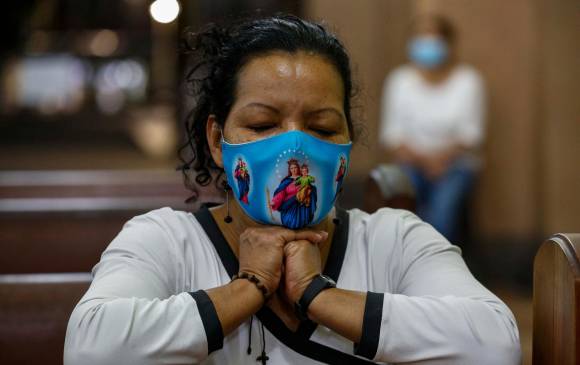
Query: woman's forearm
(235, 302)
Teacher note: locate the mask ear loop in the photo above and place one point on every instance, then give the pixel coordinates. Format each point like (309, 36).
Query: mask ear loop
(222, 139)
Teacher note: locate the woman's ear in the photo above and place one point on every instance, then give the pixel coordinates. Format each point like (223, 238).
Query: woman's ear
(214, 137)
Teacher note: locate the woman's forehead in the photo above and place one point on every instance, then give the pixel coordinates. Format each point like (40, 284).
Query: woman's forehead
(281, 74)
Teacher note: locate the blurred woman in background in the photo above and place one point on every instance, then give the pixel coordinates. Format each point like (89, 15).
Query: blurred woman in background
(432, 122)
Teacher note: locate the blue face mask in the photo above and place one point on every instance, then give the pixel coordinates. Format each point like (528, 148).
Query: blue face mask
(428, 52)
(291, 179)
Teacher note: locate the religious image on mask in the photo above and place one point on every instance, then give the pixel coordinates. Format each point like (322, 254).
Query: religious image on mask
(242, 176)
(296, 196)
(291, 179)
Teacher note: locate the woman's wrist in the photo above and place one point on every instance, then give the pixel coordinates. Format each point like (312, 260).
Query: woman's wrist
(235, 302)
(249, 291)
(268, 280)
(297, 290)
(259, 284)
(316, 307)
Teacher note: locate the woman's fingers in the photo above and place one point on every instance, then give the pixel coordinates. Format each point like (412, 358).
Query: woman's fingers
(287, 235)
(312, 236)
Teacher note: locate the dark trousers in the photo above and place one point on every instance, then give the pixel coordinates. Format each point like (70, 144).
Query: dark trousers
(440, 201)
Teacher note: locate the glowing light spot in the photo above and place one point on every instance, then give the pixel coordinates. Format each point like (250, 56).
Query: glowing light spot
(104, 43)
(164, 11)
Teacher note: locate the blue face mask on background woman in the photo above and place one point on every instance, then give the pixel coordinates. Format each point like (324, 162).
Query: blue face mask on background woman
(428, 51)
(291, 179)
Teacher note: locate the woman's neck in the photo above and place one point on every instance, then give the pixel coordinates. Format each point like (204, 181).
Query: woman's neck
(438, 75)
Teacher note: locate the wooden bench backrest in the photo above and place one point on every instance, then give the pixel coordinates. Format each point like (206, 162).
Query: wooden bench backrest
(556, 336)
(61, 221)
(34, 313)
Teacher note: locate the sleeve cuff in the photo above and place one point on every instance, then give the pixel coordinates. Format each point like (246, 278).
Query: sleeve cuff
(210, 320)
(371, 329)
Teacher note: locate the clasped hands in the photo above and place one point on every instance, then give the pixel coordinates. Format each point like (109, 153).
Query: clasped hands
(282, 259)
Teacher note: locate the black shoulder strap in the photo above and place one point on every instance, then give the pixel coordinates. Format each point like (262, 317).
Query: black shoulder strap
(227, 256)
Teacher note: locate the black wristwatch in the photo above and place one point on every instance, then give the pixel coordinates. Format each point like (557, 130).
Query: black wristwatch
(318, 284)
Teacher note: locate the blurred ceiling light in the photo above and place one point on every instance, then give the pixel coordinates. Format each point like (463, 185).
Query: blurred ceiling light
(129, 74)
(104, 43)
(164, 11)
(125, 75)
(119, 82)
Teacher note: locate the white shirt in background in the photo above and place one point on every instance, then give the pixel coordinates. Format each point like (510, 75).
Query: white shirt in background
(431, 117)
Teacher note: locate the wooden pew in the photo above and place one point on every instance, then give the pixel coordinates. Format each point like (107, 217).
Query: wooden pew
(61, 221)
(556, 334)
(34, 312)
(57, 241)
(54, 225)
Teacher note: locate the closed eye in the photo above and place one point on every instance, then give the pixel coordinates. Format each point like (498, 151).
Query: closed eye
(263, 127)
(323, 131)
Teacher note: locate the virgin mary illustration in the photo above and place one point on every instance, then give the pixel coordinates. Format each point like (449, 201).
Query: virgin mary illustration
(340, 175)
(295, 198)
(243, 178)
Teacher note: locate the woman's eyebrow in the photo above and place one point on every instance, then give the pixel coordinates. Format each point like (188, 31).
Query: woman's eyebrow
(329, 109)
(261, 105)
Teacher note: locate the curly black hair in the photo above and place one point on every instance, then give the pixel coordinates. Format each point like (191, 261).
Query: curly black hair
(218, 53)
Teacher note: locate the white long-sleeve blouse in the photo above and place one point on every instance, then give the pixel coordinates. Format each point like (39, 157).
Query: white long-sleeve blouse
(147, 305)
